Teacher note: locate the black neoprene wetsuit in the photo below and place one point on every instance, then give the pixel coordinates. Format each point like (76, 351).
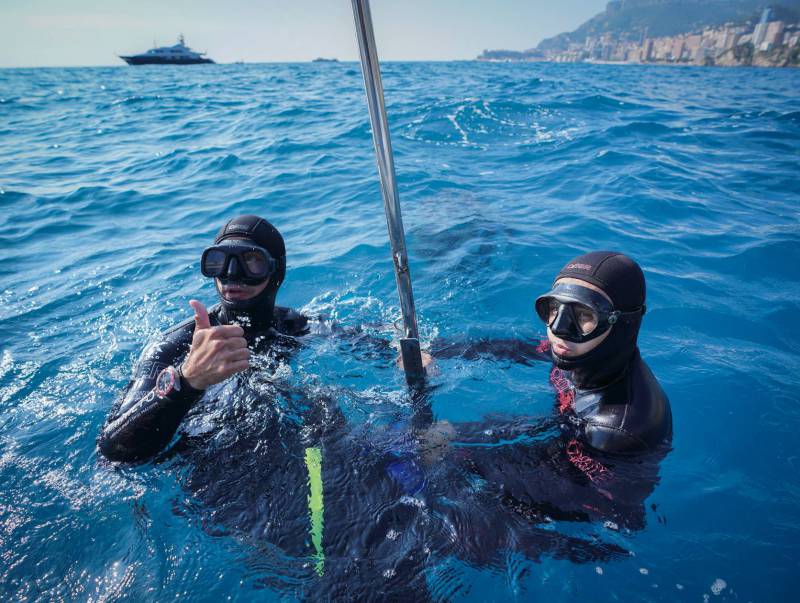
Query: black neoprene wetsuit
(142, 422)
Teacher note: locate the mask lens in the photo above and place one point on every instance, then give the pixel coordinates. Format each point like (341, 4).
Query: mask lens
(547, 308)
(586, 318)
(575, 313)
(552, 310)
(256, 263)
(213, 262)
(543, 309)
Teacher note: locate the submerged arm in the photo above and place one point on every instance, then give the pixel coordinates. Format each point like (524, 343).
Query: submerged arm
(360, 341)
(522, 351)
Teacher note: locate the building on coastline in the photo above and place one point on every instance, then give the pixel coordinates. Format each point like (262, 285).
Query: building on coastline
(774, 35)
(761, 29)
(769, 42)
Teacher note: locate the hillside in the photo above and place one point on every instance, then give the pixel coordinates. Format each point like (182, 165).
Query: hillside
(656, 18)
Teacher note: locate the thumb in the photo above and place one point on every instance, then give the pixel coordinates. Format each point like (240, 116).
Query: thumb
(200, 315)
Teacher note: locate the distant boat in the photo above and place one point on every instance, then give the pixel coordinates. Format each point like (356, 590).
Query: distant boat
(324, 60)
(179, 54)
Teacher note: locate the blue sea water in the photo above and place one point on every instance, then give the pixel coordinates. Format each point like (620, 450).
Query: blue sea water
(112, 180)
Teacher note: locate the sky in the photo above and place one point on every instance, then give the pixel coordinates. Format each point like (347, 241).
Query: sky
(38, 33)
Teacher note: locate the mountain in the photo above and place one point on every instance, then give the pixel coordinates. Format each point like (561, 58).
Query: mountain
(657, 18)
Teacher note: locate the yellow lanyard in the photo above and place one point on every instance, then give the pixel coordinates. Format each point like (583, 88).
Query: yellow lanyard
(315, 504)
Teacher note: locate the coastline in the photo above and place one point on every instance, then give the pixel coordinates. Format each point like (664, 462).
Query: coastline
(641, 63)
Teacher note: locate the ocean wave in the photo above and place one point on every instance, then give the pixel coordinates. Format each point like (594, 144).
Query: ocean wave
(112, 187)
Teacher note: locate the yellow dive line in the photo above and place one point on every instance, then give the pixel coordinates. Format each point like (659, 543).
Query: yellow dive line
(315, 504)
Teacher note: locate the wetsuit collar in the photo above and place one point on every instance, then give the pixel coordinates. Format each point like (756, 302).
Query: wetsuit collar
(252, 323)
(588, 376)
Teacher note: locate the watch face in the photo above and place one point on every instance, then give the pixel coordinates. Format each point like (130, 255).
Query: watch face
(165, 381)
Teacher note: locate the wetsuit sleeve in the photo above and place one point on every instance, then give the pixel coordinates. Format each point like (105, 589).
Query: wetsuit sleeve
(359, 341)
(142, 422)
(522, 351)
(291, 322)
(364, 344)
(499, 430)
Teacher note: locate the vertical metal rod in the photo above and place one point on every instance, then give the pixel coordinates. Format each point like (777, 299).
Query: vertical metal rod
(391, 201)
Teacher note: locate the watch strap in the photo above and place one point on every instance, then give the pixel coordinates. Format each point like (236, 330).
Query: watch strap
(184, 383)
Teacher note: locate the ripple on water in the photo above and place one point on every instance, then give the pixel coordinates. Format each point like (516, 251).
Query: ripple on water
(113, 180)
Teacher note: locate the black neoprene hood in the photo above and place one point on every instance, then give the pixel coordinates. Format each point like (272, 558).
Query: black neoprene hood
(616, 274)
(258, 311)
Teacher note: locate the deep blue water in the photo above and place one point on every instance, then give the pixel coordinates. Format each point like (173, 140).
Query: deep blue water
(112, 180)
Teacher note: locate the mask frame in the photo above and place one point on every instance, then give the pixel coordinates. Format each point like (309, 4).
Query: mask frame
(570, 298)
(234, 267)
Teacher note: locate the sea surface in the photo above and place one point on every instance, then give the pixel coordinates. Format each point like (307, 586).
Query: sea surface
(113, 180)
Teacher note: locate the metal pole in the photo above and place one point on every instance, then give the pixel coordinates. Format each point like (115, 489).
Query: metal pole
(409, 344)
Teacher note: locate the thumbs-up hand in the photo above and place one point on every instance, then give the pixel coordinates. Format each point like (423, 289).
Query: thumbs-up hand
(216, 353)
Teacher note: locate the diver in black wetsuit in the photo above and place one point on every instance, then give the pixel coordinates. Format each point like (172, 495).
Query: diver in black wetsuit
(251, 449)
(248, 263)
(593, 314)
(598, 457)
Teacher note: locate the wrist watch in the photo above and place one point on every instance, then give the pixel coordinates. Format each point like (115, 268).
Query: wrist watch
(168, 381)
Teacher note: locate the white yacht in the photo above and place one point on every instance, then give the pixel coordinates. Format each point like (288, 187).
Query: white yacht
(179, 54)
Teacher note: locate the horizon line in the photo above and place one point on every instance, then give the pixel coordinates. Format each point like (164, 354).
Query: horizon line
(357, 61)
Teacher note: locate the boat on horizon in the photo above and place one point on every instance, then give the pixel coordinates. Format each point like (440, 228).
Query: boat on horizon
(178, 54)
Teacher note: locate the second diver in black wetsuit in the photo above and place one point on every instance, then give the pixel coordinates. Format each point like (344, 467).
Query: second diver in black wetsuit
(593, 314)
(598, 457)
